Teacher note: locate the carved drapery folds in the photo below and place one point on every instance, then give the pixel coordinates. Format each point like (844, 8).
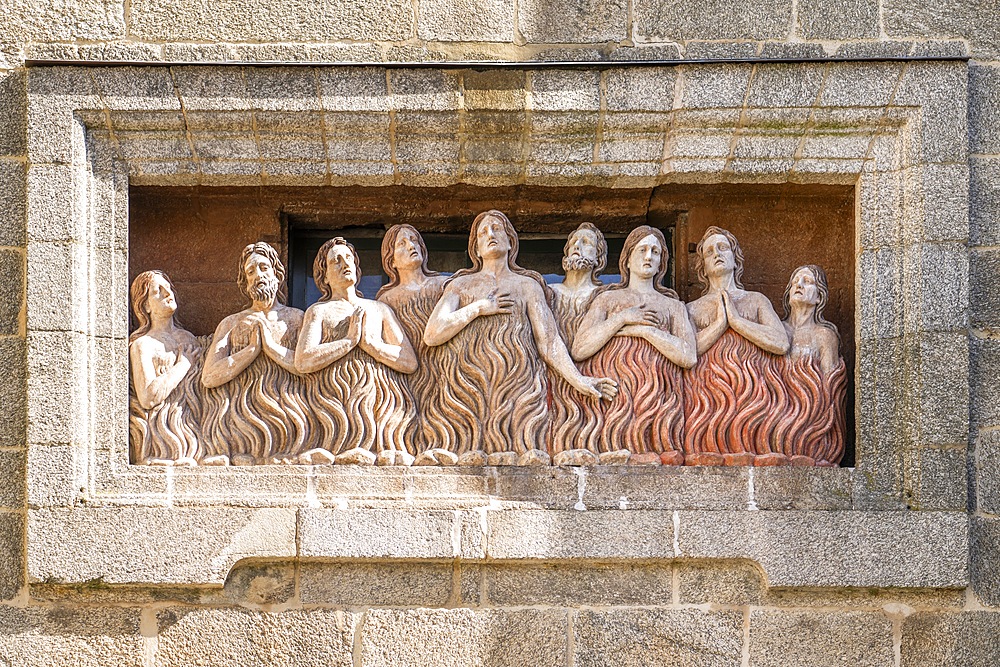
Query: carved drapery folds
(491, 366)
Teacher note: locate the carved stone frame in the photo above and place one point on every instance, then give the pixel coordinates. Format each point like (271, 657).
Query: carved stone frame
(896, 130)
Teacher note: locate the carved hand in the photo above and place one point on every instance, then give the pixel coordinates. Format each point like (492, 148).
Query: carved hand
(728, 310)
(496, 303)
(356, 327)
(605, 388)
(638, 315)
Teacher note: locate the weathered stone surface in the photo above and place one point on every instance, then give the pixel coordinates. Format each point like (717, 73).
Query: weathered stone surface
(944, 401)
(880, 549)
(671, 20)
(13, 107)
(792, 488)
(236, 637)
(984, 276)
(973, 21)
(984, 559)
(984, 109)
(842, 19)
(969, 639)
(984, 201)
(88, 637)
(665, 487)
(941, 91)
(461, 637)
(553, 534)
(13, 202)
(12, 479)
(987, 470)
(256, 20)
(53, 358)
(820, 639)
(590, 584)
(13, 396)
(153, 545)
(688, 637)
(12, 565)
(565, 90)
(260, 584)
(376, 533)
(732, 582)
(569, 21)
(714, 86)
(860, 84)
(395, 584)
(984, 390)
(941, 482)
(448, 21)
(779, 85)
(11, 291)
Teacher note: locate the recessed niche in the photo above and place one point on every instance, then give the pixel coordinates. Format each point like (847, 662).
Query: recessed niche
(195, 235)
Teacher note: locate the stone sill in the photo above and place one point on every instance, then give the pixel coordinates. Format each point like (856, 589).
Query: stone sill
(794, 548)
(600, 487)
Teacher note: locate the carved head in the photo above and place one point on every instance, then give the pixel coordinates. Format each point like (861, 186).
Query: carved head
(152, 295)
(336, 264)
(586, 249)
(403, 247)
(261, 275)
(493, 231)
(645, 251)
(807, 287)
(719, 253)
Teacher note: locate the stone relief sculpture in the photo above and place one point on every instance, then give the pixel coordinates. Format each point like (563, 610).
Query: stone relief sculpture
(729, 395)
(476, 369)
(355, 352)
(255, 409)
(500, 334)
(638, 332)
(584, 257)
(812, 422)
(412, 292)
(165, 359)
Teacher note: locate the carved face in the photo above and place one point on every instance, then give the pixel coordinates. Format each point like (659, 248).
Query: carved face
(262, 281)
(491, 238)
(582, 251)
(341, 267)
(406, 252)
(160, 301)
(645, 259)
(804, 289)
(718, 256)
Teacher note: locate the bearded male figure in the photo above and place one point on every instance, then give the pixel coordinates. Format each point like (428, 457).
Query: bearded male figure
(500, 334)
(584, 257)
(255, 404)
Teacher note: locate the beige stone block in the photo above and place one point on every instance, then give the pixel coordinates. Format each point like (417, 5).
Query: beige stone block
(674, 20)
(569, 90)
(13, 393)
(26, 21)
(13, 201)
(731, 583)
(153, 545)
(55, 394)
(554, 534)
(463, 638)
(424, 89)
(640, 88)
(546, 22)
(241, 638)
(452, 21)
(261, 21)
(857, 549)
(389, 533)
(12, 565)
(393, 584)
(568, 584)
(495, 89)
(87, 637)
(689, 637)
(820, 638)
(54, 213)
(251, 486)
(52, 475)
(969, 639)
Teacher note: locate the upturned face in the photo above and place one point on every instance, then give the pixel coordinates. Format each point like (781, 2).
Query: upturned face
(645, 258)
(583, 246)
(406, 253)
(491, 238)
(804, 289)
(717, 254)
(341, 267)
(160, 298)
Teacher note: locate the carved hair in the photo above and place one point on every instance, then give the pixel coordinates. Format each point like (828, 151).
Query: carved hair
(822, 289)
(265, 250)
(140, 297)
(319, 266)
(699, 261)
(602, 249)
(388, 253)
(477, 261)
(631, 241)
